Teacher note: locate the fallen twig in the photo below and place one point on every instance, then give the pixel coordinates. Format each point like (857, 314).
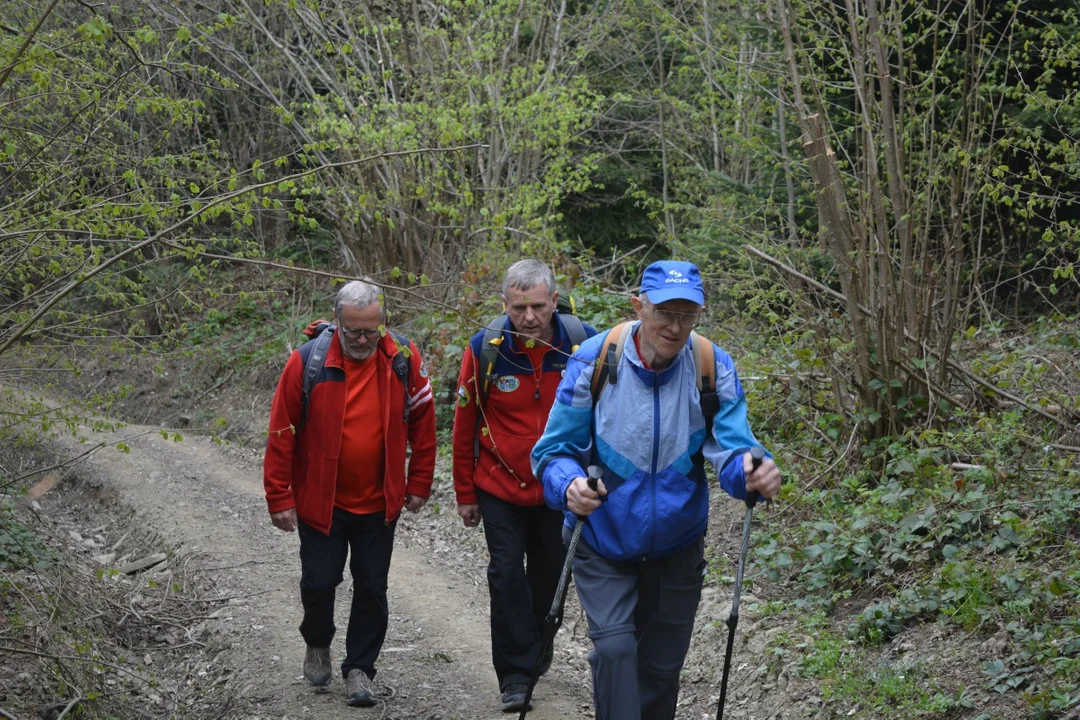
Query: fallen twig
(70, 705)
(214, 600)
(230, 567)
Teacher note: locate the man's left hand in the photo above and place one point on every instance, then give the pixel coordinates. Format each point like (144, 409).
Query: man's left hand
(414, 502)
(765, 481)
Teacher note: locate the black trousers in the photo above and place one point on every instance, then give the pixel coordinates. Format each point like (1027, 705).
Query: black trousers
(322, 563)
(521, 593)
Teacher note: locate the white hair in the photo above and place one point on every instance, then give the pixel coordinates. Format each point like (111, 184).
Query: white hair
(525, 274)
(359, 294)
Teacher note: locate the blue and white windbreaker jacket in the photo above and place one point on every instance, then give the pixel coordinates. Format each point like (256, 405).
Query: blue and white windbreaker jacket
(649, 436)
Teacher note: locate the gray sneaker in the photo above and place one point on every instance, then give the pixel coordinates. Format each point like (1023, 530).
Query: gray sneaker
(359, 692)
(317, 666)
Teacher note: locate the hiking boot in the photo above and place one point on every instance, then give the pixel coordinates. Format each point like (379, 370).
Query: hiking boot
(513, 698)
(317, 666)
(359, 692)
(545, 663)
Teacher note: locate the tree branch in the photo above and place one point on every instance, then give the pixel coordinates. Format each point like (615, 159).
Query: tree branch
(156, 238)
(951, 363)
(26, 43)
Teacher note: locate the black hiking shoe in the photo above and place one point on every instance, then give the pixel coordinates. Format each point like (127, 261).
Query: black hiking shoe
(513, 698)
(317, 666)
(359, 692)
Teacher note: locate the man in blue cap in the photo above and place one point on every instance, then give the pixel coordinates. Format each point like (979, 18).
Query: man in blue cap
(639, 401)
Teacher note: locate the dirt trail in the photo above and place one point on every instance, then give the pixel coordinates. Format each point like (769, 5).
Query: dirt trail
(207, 502)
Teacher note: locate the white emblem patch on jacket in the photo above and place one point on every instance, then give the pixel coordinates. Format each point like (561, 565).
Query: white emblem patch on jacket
(508, 383)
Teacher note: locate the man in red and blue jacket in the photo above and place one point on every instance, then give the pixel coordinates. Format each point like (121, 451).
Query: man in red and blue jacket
(336, 472)
(501, 413)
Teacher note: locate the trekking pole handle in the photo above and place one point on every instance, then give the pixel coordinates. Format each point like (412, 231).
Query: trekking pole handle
(595, 473)
(757, 454)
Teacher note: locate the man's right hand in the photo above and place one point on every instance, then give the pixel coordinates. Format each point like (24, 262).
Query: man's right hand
(470, 514)
(581, 499)
(284, 520)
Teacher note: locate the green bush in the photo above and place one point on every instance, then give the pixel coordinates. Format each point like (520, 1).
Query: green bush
(19, 546)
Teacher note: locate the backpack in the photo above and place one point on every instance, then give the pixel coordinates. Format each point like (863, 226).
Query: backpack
(607, 369)
(489, 354)
(317, 358)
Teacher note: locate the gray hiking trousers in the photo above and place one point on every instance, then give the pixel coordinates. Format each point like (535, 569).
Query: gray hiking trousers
(641, 617)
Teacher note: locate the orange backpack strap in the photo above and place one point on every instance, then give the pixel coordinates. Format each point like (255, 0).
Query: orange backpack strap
(705, 370)
(607, 362)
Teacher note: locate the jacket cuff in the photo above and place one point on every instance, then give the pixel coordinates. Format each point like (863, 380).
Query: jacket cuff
(418, 489)
(732, 476)
(467, 497)
(558, 474)
(280, 504)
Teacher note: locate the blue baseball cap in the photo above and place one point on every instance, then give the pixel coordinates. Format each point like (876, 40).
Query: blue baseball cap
(672, 280)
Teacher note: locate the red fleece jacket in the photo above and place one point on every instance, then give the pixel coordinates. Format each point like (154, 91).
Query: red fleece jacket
(300, 469)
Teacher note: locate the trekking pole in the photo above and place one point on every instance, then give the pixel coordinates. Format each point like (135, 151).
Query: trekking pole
(757, 454)
(595, 474)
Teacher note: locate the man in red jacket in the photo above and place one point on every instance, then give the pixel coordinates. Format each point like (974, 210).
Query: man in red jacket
(336, 471)
(495, 429)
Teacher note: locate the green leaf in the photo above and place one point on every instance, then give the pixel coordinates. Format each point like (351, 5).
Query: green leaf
(183, 34)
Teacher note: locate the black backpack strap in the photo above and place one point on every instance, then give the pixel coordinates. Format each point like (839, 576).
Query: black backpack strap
(400, 364)
(575, 330)
(489, 356)
(312, 368)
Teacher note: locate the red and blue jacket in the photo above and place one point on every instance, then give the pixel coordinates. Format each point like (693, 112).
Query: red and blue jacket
(511, 419)
(300, 467)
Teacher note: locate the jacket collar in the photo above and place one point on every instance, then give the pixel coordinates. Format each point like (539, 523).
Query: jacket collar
(647, 376)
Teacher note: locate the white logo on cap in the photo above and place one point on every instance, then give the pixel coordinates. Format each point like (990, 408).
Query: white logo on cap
(674, 273)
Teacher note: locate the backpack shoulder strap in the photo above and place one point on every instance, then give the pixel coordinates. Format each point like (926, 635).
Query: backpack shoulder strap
(705, 371)
(575, 330)
(314, 365)
(489, 355)
(607, 362)
(400, 364)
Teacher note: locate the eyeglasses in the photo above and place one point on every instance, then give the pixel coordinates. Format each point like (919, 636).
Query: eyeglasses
(357, 334)
(670, 317)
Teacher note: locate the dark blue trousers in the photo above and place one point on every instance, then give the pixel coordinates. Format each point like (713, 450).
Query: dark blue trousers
(322, 564)
(641, 617)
